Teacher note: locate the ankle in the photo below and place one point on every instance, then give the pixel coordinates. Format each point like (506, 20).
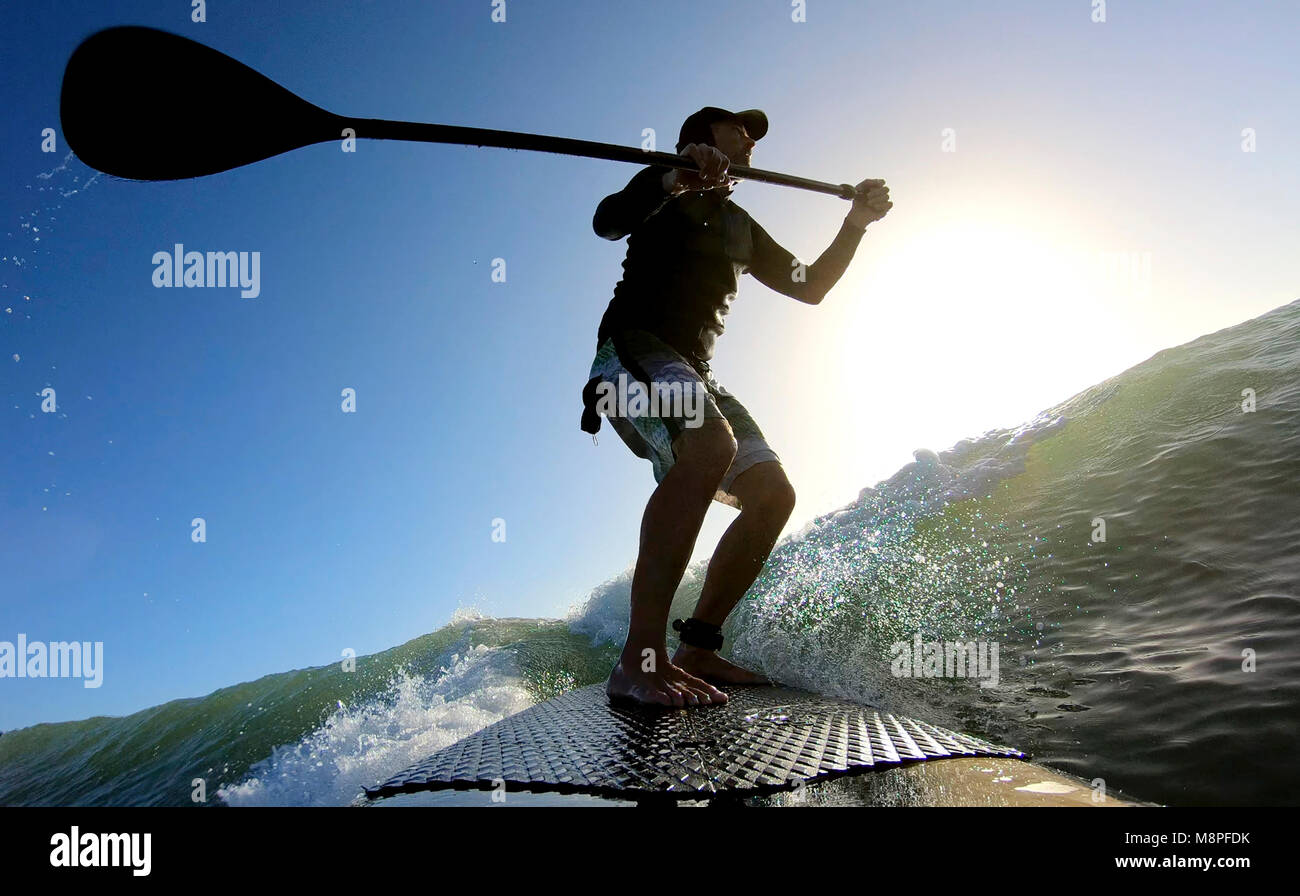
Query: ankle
(692, 650)
(634, 655)
(697, 633)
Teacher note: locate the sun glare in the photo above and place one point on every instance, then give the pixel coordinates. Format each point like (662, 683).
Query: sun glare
(963, 327)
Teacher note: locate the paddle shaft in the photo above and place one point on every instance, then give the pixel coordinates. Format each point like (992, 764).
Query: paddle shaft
(382, 129)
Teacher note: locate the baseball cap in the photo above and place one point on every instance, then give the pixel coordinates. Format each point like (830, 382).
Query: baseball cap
(697, 128)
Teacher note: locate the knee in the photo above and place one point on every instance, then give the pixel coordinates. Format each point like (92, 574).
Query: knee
(709, 449)
(773, 500)
(779, 499)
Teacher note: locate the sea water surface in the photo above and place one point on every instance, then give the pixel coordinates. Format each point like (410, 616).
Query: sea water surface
(1164, 659)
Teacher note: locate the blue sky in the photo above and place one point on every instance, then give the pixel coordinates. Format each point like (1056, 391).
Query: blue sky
(969, 307)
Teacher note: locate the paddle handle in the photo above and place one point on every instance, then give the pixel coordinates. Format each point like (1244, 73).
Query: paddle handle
(382, 129)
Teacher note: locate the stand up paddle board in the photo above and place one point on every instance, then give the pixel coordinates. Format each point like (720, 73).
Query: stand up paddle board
(763, 740)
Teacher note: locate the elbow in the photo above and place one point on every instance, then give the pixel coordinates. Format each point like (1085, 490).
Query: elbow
(813, 295)
(818, 288)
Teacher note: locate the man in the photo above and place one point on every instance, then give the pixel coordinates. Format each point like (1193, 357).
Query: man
(688, 243)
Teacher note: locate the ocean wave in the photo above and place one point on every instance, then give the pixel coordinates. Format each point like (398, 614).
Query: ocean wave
(360, 745)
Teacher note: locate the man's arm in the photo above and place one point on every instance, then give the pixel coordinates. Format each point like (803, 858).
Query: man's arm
(776, 268)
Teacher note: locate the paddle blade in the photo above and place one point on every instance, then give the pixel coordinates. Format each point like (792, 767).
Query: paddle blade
(148, 105)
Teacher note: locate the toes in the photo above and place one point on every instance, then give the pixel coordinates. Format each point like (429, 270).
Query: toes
(701, 696)
(690, 695)
(708, 693)
(700, 684)
(713, 694)
(719, 696)
(662, 698)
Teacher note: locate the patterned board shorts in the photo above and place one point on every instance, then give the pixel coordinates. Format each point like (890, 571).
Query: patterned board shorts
(640, 357)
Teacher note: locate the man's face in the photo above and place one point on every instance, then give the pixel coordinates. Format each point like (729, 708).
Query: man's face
(734, 141)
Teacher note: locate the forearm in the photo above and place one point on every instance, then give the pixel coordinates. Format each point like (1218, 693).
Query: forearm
(826, 271)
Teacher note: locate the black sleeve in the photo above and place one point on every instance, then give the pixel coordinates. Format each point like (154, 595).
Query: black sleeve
(620, 213)
(775, 267)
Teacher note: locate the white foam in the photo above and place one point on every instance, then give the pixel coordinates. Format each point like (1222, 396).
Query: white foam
(362, 745)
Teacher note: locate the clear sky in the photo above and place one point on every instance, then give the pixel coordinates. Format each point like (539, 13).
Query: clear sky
(1026, 146)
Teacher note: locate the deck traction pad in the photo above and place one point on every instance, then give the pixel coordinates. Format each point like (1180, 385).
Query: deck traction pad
(763, 740)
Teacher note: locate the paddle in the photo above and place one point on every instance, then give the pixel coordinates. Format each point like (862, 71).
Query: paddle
(144, 104)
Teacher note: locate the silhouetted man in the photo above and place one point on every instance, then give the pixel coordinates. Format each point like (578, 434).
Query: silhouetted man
(688, 244)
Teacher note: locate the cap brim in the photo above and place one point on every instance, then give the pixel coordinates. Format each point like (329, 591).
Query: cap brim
(755, 122)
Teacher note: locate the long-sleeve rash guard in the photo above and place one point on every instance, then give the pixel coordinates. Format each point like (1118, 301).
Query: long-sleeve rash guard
(685, 255)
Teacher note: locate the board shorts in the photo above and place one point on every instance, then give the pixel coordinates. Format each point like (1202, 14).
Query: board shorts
(649, 428)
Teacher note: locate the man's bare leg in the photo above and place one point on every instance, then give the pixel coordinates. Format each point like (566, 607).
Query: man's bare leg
(766, 501)
(671, 524)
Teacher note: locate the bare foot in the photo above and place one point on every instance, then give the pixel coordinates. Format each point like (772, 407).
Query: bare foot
(708, 665)
(670, 686)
